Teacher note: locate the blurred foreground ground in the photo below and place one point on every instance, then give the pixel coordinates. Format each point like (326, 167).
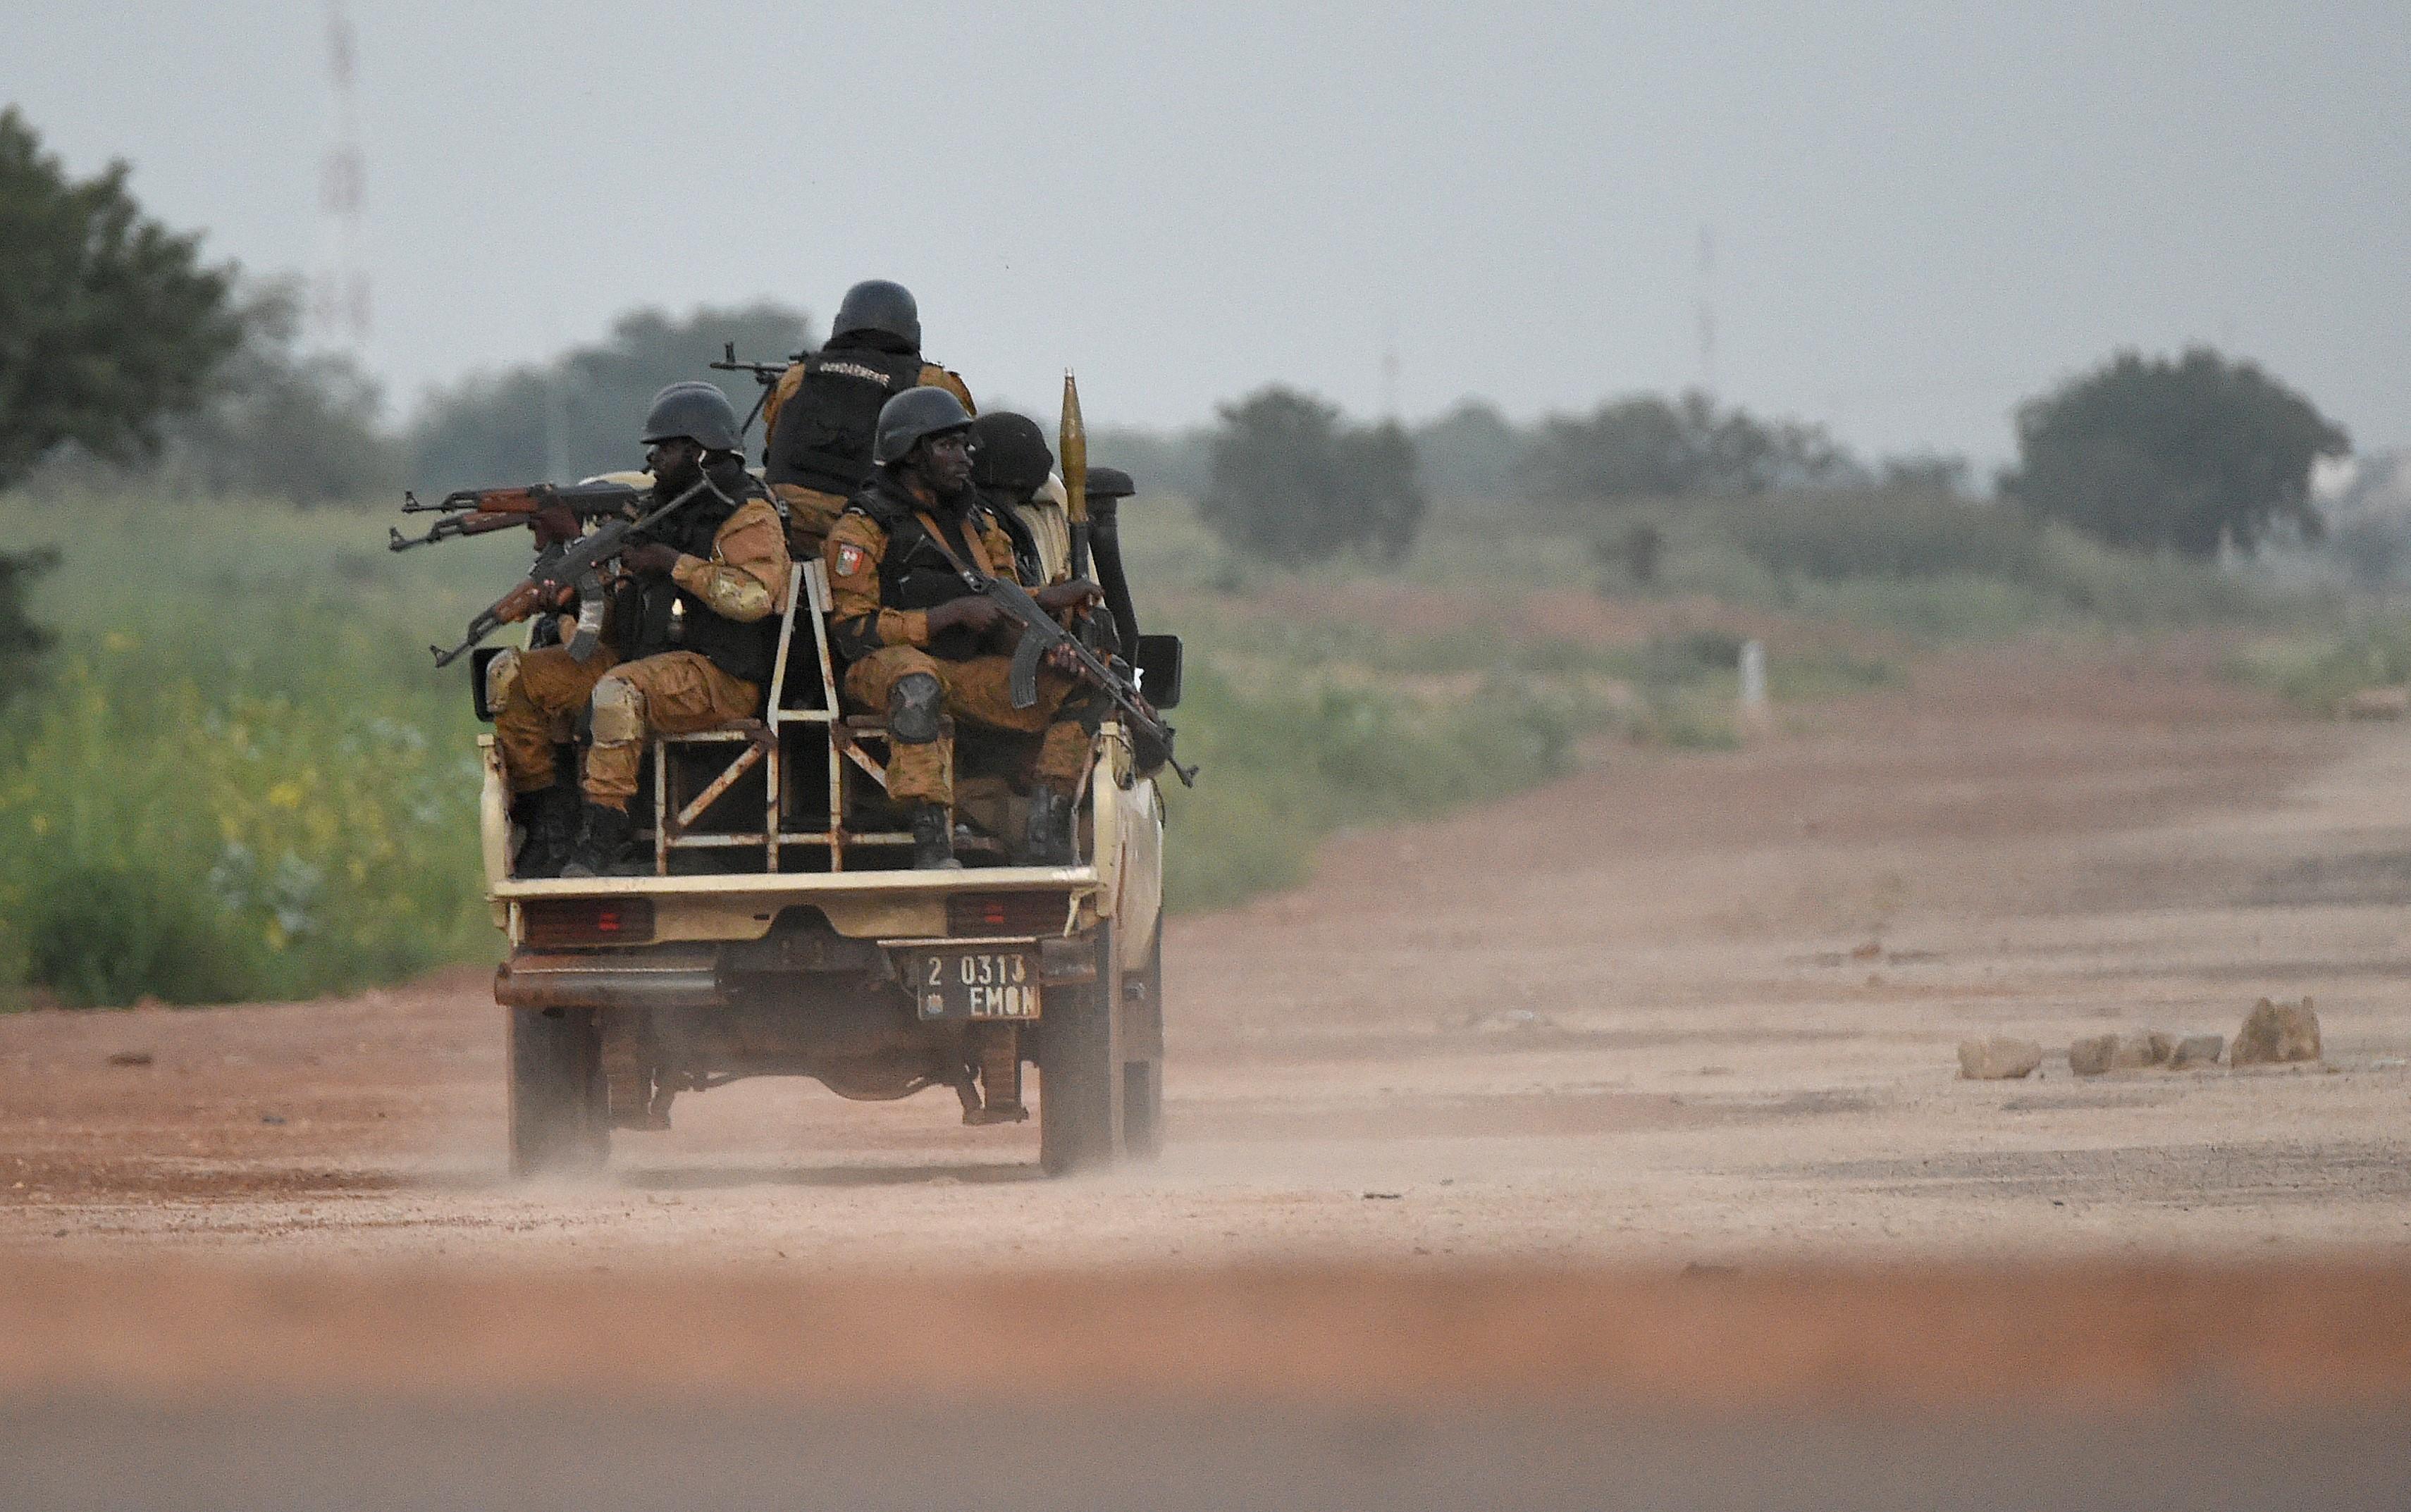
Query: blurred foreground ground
(1504, 1140)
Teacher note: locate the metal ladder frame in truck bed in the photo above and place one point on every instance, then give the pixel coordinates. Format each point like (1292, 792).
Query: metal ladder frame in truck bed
(676, 813)
(761, 743)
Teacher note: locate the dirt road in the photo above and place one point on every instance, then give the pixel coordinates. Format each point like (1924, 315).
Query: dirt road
(1674, 1008)
(1496, 1155)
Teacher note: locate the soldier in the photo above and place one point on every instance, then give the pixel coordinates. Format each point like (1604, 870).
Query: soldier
(818, 419)
(694, 629)
(1014, 471)
(922, 643)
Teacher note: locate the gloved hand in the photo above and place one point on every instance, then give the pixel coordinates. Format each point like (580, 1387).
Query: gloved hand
(651, 560)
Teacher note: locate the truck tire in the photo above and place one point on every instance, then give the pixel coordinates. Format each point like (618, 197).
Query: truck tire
(1142, 1043)
(1080, 1070)
(559, 1120)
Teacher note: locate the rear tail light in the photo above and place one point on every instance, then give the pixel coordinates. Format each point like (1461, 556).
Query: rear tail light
(548, 921)
(985, 915)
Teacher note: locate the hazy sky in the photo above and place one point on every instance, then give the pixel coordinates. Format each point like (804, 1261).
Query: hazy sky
(1920, 213)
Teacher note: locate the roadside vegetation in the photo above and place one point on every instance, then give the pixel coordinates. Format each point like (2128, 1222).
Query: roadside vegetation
(227, 770)
(235, 774)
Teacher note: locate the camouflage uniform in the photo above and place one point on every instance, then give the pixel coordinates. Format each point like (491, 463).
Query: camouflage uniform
(886, 574)
(657, 689)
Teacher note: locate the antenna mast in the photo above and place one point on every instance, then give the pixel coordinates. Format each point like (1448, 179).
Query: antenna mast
(339, 306)
(1708, 311)
(1389, 371)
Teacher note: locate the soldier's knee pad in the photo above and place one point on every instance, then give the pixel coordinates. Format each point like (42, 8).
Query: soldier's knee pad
(502, 678)
(619, 712)
(916, 708)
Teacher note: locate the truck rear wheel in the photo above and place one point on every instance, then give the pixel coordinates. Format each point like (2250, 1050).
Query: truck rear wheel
(560, 1118)
(1142, 1043)
(1080, 1070)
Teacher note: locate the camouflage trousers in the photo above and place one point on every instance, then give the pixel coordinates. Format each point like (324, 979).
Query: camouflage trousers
(977, 696)
(810, 514)
(676, 694)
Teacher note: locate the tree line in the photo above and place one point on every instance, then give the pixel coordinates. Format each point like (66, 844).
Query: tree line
(127, 359)
(2191, 455)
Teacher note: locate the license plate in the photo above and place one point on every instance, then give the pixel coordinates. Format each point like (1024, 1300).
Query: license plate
(976, 985)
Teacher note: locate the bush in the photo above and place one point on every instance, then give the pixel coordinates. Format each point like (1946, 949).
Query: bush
(1898, 534)
(23, 640)
(1644, 446)
(110, 934)
(1940, 566)
(1293, 484)
(2318, 674)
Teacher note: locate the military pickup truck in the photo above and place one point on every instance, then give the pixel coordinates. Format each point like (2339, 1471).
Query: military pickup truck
(781, 932)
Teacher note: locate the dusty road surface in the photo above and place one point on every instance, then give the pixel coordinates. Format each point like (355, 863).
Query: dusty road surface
(1679, 1021)
(1673, 1009)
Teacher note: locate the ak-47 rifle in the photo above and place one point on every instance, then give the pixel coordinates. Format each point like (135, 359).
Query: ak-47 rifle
(556, 512)
(565, 565)
(1041, 637)
(765, 373)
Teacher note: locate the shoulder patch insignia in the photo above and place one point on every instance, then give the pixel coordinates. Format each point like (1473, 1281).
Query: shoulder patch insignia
(851, 559)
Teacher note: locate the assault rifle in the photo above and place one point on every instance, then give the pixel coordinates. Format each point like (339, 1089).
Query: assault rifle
(555, 512)
(1040, 636)
(565, 565)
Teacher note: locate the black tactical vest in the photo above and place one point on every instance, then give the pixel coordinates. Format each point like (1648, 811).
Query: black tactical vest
(821, 439)
(653, 614)
(914, 574)
(1026, 558)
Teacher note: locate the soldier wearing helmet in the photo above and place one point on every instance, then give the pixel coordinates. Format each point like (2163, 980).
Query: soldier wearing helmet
(693, 631)
(1014, 470)
(927, 652)
(818, 419)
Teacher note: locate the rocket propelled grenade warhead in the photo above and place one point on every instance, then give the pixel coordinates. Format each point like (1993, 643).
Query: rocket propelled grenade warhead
(1072, 453)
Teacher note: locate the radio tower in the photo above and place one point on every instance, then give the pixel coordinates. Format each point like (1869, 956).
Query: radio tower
(1708, 311)
(1389, 371)
(339, 305)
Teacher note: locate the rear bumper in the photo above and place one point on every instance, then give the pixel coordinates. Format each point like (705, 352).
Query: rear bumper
(702, 910)
(695, 977)
(806, 886)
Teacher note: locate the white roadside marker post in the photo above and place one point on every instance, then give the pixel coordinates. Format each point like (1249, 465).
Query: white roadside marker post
(1755, 719)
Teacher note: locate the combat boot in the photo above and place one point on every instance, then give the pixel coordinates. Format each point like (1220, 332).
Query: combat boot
(1047, 839)
(933, 838)
(603, 849)
(549, 818)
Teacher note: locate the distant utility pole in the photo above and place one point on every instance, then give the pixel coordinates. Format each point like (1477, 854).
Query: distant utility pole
(1389, 371)
(339, 305)
(1708, 311)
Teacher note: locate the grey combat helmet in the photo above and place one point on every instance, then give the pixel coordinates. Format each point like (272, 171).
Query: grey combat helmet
(1009, 452)
(912, 417)
(877, 305)
(698, 411)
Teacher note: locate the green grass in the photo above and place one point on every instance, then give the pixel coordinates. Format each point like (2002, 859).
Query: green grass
(241, 777)
(2317, 672)
(243, 780)
(1935, 570)
(177, 823)
(1283, 769)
